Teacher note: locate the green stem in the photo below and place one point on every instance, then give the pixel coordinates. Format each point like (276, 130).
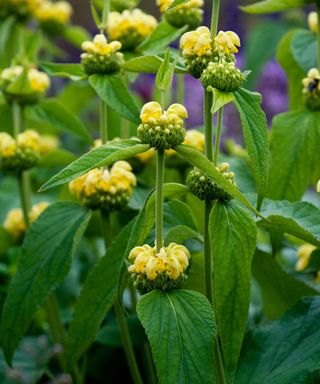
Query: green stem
(159, 199)
(318, 34)
(106, 228)
(57, 330)
(218, 137)
(208, 124)
(17, 117)
(207, 252)
(25, 195)
(180, 88)
(215, 17)
(221, 379)
(103, 121)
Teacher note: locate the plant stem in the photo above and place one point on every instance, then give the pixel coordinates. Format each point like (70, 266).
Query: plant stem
(106, 228)
(159, 199)
(25, 195)
(218, 137)
(103, 121)
(180, 88)
(57, 330)
(207, 253)
(152, 377)
(318, 34)
(208, 124)
(215, 17)
(221, 379)
(17, 118)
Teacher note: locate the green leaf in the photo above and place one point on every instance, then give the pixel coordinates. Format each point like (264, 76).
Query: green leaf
(182, 320)
(233, 236)
(9, 36)
(255, 131)
(114, 92)
(57, 158)
(271, 6)
(76, 35)
(96, 298)
(284, 352)
(180, 233)
(304, 49)
(175, 4)
(295, 144)
(53, 112)
(161, 38)
(300, 219)
(70, 71)
(293, 71)
(220, 99)
(164, 67)
(97, 157)
(45, 261)
(197, 159)
(148, 64)
(279, 290)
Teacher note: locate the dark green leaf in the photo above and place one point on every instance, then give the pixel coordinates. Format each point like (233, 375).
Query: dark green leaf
(45, 261)
(271, 6)
(97, 157)
(114, 92)
(284, 352)
(180, 233)
(70, 71)
(220, 99)
(182, 320)
(304, 49)
(233, 236)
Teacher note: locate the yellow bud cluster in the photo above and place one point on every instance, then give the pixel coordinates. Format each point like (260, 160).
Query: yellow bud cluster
(227, 42)
(313, 22)
(196, 43)
(48, 143)
(99, 46)
(103, 188)
(14, 222)
(304, 254)
(152, 113)
(153, 270)
(130, 27)
(164, 4)
(59, 12)
(195, 139)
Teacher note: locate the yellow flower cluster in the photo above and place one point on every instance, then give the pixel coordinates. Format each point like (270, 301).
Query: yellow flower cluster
(48, 143)
(99, 46)
(304, 254)
(152, 113)
(145, 157)
(59, 12)
(164, 4)
(318, 187)
(14, 222)
(101, 188)
(313, 22)
(193, 138)
(227, 42)
(196, 43)
(130, 27)
(311, 89)
(157, 268)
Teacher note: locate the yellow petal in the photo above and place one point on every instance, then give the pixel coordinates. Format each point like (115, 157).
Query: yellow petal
(179, 110)
(234, 38)
(150, 110)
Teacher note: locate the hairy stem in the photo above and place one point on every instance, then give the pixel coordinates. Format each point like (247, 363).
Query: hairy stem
(318, 34)
(218, 137)
(207, 253)
(103, 122)
(208, 124)
(159, 199)
(215, 17)
(25, 195)
(17, 117)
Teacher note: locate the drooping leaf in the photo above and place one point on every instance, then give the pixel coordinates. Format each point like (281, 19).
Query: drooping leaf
(271, 6)
(220, 99)
(284, 352)
(161, 37)
(279, 290)
(233, 236)
(295, 143)
(45, 261)
(304, 49)
(164, 67)
(300, 219)
(114, 92)
(148, 64)
(97, 157)
(182, 320)
(255, 131)
(53, 113)
(69, 71)
(197, 159)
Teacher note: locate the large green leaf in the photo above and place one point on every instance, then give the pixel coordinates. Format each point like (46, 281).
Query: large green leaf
(161, 37)
(233, 235)
(114, 92)
(279, 290)
(293, 70)
(295, 144)
(70, 71)
(53, 112)
(284, 352)
(180, 233)
(300, 219)
(255, 131)
(96, 298)
(181, 330)
(148, 64)
(197, 159)
(304, 49)
(45, 261)
(271, 6)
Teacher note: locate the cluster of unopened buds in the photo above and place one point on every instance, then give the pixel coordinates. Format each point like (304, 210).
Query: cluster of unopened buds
(212, 60)
(130, 27)
(15, 224)
(162, 129)
(100, 56)
(206, 189)
(162, 270)
(35, 84)
(53, 16)
(189, 13)
(105, 189)
(311, 89)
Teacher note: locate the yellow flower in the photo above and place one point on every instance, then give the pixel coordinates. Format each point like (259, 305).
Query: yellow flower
(195, 139)
(12, 73)
(100, 46)
(29, 139)
(59, 12)
(304, 254)
(151, 112)
(39, 81)
(48, 143)
(318, 187)
(313, 22)
(313, 78)
(196, 43)
(227, 42)
(145, 157)
(176, 113)
(8, 145)
(37, 210)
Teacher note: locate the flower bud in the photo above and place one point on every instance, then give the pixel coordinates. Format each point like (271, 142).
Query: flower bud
(227, 43)
(311, 90)
(162, 129)
(48, 143)
(304, 254)
(130, 28)
(206, 189)
(189, 13)
(223, 76)
(164, 270)
(104, 189)
(313, 22)
(101, 57)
